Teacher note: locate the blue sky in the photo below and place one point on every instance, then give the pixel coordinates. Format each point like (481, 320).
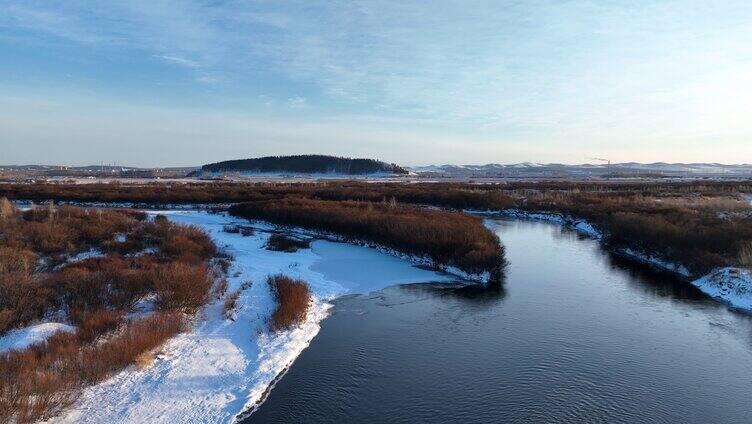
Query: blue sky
(188, 82)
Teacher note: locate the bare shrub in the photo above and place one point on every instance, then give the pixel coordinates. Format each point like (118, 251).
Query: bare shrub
(232, 229)
(745, 254)
(15, 260)
(182, 286)
(219, 288)
(293, 299)
(230, 303)
(91, 325)
(283, 243)
(7, 210)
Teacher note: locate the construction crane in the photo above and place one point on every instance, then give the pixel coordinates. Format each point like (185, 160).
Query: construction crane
(608, 163)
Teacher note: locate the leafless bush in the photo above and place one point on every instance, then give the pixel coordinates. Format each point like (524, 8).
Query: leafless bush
(182, 286)
(7, 210)
(219, 288)
(230, 303)
(283, 243)
(293, 299)
(745, 254)
(232, 229)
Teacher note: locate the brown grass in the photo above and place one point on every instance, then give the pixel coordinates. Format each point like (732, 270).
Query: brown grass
(145, 359)
(293, 299)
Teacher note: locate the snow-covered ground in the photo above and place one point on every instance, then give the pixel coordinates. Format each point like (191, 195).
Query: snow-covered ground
(732, 286)
(24, 337)
(223, 367)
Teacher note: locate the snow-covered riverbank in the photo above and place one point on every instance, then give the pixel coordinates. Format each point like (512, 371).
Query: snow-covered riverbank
(223, 367)
(732, 286)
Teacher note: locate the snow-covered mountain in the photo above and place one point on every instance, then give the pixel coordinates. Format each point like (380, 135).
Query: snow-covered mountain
(528, 169)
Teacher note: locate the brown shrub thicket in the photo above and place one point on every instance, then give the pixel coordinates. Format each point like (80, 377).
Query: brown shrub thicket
(451, 195)
(293, 299)
(165, 260)
(182, 286)
(448, 238)
(283, 243)
(42, 380)
(448, 194)
(693, 232)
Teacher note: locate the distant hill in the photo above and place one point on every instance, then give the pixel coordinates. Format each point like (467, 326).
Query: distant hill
(614, 170)
(304, 164)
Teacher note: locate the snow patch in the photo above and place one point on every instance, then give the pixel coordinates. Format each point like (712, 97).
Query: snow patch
(24, 337)
(82, 256)
(587, 228)
(656, 262)
(732, 286)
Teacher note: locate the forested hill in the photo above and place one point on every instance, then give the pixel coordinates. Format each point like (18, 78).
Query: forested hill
(305, 164)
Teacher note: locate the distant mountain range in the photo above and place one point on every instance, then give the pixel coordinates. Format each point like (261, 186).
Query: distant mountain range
(628, 169)
(304, 164)
(332, 166)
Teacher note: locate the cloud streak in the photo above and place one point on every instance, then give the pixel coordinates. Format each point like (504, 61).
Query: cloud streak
(577, 74)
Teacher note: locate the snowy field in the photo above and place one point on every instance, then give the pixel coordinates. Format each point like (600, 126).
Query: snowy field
(223, 367)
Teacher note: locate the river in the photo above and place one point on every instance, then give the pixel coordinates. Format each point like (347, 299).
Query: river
(575, 335)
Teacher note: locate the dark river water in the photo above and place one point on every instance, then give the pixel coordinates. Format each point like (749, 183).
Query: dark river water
(575, 335)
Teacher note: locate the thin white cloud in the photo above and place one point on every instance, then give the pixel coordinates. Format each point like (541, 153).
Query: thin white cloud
(297, 102)
(564, 75)
(178, 61)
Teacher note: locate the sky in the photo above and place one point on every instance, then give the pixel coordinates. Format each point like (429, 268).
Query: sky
(181, 83)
